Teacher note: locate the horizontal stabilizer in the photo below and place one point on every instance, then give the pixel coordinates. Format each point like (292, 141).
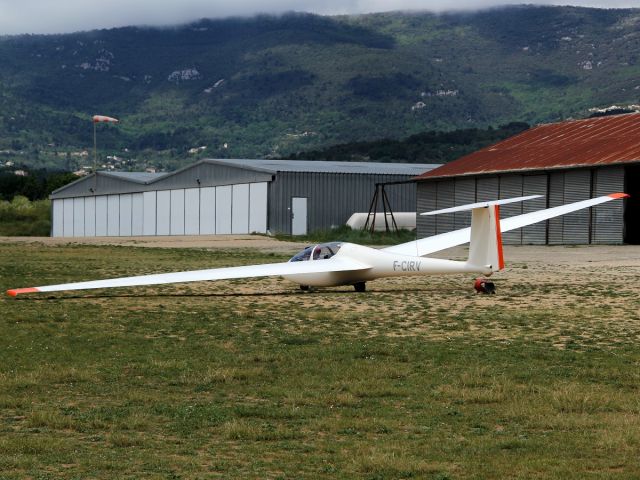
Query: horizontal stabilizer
(471, 206)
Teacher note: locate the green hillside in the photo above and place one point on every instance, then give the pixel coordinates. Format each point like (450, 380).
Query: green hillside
(274, 86)
(426, 147)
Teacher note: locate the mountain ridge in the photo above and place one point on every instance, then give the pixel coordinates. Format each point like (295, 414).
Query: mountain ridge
(277, 85)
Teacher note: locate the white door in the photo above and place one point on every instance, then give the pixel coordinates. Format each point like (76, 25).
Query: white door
(240, 210)
(78, 217)
(137, 214)
(149, 213)
(58, 218)
(163, 209)
(90, 216)
(208, 211)
(298, 216)
(113, 215)
(192, 211)
(101, 216)
(258, 207)
(68, 217)
(125, 214)
(177, 212)
(223, 210)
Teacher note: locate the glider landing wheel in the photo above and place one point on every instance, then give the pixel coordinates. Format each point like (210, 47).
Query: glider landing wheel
(360, 286)
(304, 288)
(483, 285)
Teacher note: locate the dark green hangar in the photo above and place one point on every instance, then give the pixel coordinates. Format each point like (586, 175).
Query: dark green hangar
(566, 162)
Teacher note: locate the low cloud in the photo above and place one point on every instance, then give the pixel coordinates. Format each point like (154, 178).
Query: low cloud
(46, 16)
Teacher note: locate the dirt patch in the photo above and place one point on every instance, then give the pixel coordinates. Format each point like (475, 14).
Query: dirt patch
(260, 242)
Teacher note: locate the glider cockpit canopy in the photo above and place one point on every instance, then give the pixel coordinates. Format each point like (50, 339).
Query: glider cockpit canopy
(322, 251)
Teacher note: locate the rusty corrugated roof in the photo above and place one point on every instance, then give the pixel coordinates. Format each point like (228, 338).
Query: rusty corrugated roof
(590, 142)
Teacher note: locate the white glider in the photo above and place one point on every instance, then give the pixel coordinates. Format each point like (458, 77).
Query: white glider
(341, 263)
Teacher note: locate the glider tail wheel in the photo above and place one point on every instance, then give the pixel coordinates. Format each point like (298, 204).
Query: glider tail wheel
(482, 285)
(304, 288)
(360, 286)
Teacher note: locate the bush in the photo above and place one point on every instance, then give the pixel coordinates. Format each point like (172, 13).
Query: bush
(22, 217)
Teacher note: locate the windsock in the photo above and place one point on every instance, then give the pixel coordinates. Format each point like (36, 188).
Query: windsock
(103, 119)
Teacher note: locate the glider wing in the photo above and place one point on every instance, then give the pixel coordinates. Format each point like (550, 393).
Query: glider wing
(334, 264)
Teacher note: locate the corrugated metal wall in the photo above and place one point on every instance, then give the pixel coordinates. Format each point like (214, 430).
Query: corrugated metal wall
(465, 192)
(576, 227)
(535, 234)
(192, 211)
(511, 186)
(332, 197)
(555, 195)
(608, 221)
(426, 201)
(445, 199)
(601, 224)
(487, 188)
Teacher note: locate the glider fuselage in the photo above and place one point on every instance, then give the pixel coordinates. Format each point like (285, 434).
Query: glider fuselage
(380, 264)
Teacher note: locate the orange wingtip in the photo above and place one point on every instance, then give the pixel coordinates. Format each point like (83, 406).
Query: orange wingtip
(19, 291)
(619, 195)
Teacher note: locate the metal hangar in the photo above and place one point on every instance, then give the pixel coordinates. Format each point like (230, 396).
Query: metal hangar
(216, 196)
(566, 162)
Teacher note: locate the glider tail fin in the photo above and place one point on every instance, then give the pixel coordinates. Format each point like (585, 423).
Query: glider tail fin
(485, 249)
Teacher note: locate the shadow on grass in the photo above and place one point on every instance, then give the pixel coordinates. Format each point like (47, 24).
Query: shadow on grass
(282, 293)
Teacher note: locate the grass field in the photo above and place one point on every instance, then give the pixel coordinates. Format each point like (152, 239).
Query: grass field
(413, 379)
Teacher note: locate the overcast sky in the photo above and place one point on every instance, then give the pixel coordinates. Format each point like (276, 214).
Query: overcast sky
(51, 16)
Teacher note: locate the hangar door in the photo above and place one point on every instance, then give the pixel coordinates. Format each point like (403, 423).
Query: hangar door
(238, 209)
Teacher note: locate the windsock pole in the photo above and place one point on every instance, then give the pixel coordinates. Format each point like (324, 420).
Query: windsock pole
(95, 158)
(98, 119)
